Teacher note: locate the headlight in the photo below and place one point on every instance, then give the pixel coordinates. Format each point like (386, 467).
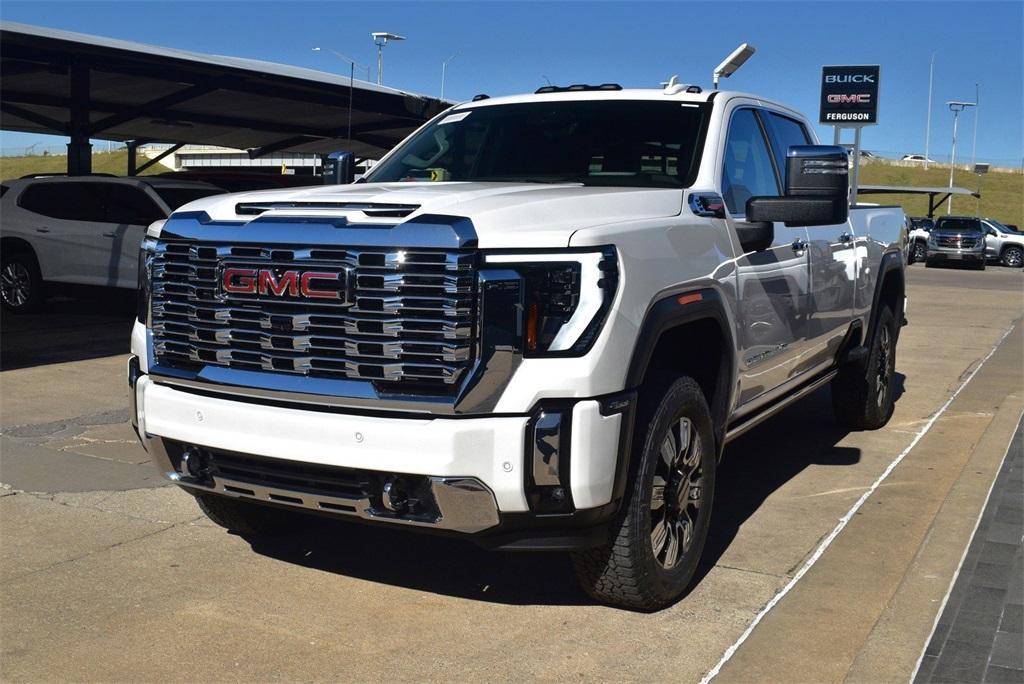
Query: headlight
(145, 280)
(567, 297)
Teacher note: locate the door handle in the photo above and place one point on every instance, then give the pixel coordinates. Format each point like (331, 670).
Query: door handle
(845, 237)
(798, 245)
(42, 230)
(110, 235)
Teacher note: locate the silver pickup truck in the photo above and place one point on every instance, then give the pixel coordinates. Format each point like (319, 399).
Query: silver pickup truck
(535, 324)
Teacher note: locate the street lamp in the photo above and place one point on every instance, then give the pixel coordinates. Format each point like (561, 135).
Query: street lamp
(352, 64)
(348, 60)
(733, 62)
(956, 108)
(444, 68)
(380, 39)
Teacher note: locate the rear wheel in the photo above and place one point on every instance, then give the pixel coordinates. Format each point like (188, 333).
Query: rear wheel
(21, 285)
(659, 533)
(863, 393)
(244, 517)
(1012, 257)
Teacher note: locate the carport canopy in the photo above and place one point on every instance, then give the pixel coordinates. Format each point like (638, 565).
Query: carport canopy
(936, 196)
(87, 87)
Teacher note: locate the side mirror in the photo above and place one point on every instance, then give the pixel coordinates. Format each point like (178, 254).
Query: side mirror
(339, 168)
(817, 189)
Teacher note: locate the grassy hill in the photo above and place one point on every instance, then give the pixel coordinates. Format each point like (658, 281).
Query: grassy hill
(102, 162)
(1002, 191)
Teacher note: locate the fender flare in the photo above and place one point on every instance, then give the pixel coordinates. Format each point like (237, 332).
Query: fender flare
(891, 261)
(676, 310)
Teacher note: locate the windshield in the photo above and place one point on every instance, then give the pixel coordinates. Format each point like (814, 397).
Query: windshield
(593, 142)
(959, 224)
(177, 197)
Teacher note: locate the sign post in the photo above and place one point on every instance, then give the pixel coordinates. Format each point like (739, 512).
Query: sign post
(849, 99)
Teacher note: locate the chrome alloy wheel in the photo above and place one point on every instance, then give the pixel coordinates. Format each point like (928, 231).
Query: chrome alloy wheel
(676, 494)
(920, 252)
(15, 284)
(883, 372)
(1013, 257)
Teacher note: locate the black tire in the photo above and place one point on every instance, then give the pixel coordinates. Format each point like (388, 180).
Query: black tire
(633, 570)
(21, 284)
(928, 263)
(918, 252)
(1012, 257)
(980, 266)
(862, 393)
(244, 517)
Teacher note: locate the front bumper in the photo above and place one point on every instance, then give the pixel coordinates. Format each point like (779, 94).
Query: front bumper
(473, 471)
(949, 254)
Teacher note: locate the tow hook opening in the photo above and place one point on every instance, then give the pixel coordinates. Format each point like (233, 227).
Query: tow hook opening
(194, 464)
(407, 496)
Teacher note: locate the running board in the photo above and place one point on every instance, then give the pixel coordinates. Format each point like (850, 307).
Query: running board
(782, 403)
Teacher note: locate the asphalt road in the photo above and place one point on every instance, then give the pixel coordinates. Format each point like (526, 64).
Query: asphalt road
(829, 558)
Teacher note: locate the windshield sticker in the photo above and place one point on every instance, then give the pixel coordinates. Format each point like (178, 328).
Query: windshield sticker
(452, 118)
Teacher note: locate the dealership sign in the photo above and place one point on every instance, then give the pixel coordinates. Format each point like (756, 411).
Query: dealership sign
(849, 95)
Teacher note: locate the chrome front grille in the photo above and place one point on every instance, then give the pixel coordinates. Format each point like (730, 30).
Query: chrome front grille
(400, 315)
(954, 242)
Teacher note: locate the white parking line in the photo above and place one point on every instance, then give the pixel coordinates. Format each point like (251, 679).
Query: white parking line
(827, 541)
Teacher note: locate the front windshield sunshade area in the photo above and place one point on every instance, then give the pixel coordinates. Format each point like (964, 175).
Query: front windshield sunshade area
(634, 143)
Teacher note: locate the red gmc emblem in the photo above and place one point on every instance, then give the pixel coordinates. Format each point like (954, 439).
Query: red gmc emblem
(267, 282)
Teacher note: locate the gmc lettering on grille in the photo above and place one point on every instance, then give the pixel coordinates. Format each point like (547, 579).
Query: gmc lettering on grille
(267, 282)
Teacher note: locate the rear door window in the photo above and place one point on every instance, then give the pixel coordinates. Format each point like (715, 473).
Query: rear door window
(131, 205)
(75, 201)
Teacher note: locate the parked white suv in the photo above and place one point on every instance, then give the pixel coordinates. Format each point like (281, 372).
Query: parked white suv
(80, 230)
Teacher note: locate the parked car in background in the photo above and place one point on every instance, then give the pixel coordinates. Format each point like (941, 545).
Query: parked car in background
(81, 230)
(1003, 243)
(917, 158)
(240, 181)
(959, 239)
(917, 238)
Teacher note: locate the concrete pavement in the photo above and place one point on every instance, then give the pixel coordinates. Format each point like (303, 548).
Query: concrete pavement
(106, 574)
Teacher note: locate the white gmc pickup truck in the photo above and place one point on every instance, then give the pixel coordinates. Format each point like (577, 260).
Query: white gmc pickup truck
(535, 324)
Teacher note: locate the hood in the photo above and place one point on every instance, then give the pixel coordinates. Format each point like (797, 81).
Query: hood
(503, 214)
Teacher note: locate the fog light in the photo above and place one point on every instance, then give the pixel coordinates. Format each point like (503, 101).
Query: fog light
(547, 461)
(194, 463)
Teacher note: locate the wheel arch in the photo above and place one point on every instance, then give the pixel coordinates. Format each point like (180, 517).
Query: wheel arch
(890, 289)
(688, 333)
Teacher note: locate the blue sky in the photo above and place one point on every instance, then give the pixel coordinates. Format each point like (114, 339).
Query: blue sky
(510, 47)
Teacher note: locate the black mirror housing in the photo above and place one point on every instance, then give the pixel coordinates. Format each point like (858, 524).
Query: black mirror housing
(817, 189)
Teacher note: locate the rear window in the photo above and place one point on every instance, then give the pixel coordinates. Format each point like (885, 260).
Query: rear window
(177, 197)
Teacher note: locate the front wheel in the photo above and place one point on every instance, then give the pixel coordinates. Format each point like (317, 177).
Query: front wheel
(918, 252)
(658, 536)
(863, 393)
(21, 285)
(1012, 257)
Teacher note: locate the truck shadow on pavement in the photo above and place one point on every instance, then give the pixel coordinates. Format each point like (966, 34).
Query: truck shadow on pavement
(68, 329)
(754, 466)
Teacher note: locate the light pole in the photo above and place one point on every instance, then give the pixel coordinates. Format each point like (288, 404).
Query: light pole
(380, 39)
(352, 64)
(444, 69)
(956, 108)
(977, 110)
(928, 126)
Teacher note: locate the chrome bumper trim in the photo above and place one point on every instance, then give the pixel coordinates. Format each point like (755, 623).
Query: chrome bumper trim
(465, 504)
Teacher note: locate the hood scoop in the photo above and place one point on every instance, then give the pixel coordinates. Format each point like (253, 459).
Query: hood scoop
(371, 209)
